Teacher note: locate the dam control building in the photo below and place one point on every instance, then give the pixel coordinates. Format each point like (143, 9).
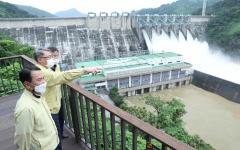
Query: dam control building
(138, 74)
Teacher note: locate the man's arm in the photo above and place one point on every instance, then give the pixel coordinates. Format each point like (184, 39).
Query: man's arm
(24, 127)
(56, 78)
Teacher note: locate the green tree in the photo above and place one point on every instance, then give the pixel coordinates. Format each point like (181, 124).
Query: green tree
(116, 98)
(224, 29)
(9, 79)
(9, 69)
(9, 47)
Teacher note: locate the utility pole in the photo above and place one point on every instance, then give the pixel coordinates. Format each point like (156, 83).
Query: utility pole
(204, 7)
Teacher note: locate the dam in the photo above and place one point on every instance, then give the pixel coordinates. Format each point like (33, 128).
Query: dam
(98, 37)
(113, 36)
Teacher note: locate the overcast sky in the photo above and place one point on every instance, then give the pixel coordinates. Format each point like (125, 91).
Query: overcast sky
(97, 6)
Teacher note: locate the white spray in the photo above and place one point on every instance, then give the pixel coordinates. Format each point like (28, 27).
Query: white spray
(198, 53)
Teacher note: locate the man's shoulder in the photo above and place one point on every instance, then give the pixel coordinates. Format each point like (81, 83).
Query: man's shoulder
(46, 71)
(40, 66)
(23, 105)
(26, 101)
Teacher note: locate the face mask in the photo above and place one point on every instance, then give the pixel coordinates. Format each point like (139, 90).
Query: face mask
(50, 62)
(57, 61)
(41, 88)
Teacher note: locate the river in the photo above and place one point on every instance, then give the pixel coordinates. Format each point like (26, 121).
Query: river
(214, 118)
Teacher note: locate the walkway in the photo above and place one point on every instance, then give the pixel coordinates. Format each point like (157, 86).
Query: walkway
(7, 105)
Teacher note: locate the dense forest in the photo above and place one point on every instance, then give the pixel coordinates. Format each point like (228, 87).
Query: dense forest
(179, 7)
(8, 10)
(35, 11)
(224, 29)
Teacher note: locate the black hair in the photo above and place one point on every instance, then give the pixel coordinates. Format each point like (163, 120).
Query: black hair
(53, 49)
(25, 73)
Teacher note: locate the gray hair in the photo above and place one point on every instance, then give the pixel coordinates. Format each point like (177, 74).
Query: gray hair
(40, 52)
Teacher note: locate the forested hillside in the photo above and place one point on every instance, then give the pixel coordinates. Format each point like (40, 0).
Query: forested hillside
(35, 11)
(224, 29)
(8, 10)
(179, 7)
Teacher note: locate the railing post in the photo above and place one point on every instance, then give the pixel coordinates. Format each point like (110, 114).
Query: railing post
(75, 118)
(164, 147)
(96, 126)
(134, 139)
(89, 118)
(123, 134)
(104, 129)
(84, 123)
(149, 145)
(113, 134)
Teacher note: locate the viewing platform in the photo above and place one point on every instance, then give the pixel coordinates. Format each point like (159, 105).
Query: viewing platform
(90, 122)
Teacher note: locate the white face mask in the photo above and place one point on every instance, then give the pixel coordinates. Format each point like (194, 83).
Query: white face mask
(41, 88)
(50, 62)
(57, 61)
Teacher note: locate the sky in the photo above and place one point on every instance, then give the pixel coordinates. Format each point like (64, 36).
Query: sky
(86, 6)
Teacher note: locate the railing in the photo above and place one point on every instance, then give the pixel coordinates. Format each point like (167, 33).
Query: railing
(9, 68)
(100, 125)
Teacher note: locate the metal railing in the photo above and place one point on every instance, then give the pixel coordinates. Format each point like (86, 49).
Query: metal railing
(9, 68)
(98, 124)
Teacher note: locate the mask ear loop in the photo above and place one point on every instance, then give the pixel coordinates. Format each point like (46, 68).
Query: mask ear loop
(35, 94)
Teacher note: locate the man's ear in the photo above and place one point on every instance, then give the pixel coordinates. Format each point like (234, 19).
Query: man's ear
(27, 85)
(38, 59)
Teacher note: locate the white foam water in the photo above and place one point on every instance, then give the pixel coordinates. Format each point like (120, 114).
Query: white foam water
(198, 53)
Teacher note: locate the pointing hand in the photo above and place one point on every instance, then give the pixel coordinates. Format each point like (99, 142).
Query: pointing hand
(93, 70)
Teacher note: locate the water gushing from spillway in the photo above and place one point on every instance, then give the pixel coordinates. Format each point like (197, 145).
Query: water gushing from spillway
(198, 53)
(78, 42)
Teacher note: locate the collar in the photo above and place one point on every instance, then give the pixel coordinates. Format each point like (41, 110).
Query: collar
(30, 94)
(41, 66)
(36, 96)
(53, 68)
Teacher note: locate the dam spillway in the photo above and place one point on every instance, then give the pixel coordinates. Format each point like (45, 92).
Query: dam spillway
(96, 37)
(79, 42)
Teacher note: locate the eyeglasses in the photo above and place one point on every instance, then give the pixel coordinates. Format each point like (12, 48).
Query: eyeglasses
(47, 57)
(55, 56)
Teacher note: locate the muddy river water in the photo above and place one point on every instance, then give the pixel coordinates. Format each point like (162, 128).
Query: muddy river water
(214, 118)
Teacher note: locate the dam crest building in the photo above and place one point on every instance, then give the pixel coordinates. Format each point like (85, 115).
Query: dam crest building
(138, 74)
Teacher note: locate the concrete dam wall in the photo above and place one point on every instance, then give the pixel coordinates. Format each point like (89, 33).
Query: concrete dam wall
(85, 38)
(95, 37)
(227, 89)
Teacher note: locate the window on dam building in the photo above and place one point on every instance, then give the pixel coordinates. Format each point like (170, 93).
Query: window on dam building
(156, 77)
(146, 79)
(182, 74)
(174, 74)
(165, 76)
(124, 82)
(135, 81)
(112, 83)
